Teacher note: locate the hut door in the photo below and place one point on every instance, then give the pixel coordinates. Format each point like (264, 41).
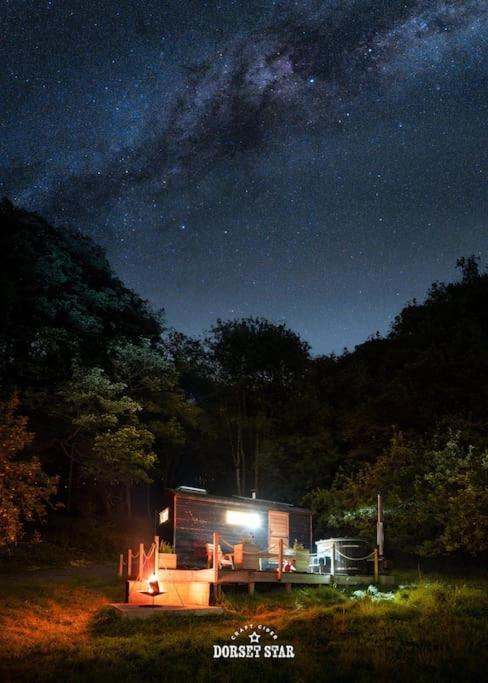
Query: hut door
(277, 528)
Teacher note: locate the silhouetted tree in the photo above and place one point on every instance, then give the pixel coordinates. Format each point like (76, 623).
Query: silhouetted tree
(24, 488)
(258, 366)
(469, 266)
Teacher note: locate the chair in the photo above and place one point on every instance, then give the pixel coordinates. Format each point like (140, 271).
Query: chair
(224, 559)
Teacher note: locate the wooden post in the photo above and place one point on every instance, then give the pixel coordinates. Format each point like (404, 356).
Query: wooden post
(250, 587)
(141, 562)
(121, 564)
(216, 564)
(332, 560)
(376, 565)
(288, 587)
(129, 563)
(280, 559)
(380, 534)
(156, 555)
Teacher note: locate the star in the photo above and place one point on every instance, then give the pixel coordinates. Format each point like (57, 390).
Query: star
(254, 637)
(230, 149)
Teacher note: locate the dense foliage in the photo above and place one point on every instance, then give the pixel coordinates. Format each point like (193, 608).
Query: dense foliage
(435, 495)
(24, 488)
(60, 301)
(412, 412)
(84, 354)
(120, 406)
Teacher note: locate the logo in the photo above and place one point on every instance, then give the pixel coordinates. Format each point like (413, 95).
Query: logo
(254, 641)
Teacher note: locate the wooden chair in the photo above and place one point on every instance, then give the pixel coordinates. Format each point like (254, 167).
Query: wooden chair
(224, 559)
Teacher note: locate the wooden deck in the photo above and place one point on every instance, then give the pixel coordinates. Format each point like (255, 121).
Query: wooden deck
(247, 576)
(242, 576)
(192, 587)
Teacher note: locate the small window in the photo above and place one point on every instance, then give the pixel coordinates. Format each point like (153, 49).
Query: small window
(164, 516)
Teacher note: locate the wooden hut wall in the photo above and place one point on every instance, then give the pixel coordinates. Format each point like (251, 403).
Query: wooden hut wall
(196, 519)
(300, 528)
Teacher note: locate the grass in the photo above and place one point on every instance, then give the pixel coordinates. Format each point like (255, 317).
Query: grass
(62, 631)
(74, 541)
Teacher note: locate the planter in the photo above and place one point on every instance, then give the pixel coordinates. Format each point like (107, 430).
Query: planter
(246, 556)
(302, 560)
(167, 560)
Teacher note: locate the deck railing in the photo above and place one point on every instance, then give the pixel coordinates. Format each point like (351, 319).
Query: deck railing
(144, 566)
(144, 559)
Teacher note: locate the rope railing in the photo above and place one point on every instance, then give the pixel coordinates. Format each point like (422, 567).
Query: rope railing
(144, 557)
(140, 555)
(269, 553)
(248, 552)
(224, 541)
(355, 559)
(266, 554)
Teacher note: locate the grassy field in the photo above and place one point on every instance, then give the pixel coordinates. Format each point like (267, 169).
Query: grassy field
(59, 629)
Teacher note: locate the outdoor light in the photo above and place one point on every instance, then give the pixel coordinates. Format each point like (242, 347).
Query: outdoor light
(251, 520)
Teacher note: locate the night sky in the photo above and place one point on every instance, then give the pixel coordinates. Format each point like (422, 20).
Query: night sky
(319, 163)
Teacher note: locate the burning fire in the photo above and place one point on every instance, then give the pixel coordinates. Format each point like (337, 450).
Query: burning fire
(153, 584)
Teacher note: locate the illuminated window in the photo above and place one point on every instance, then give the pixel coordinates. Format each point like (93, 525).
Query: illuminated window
(251, 520)
(164, 516)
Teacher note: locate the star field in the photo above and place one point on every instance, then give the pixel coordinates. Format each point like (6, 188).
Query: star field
(314, 162)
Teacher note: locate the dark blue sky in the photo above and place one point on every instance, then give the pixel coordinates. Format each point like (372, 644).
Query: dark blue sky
(314, 162)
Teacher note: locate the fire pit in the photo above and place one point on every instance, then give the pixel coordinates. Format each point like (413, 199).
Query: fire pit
(153, 590)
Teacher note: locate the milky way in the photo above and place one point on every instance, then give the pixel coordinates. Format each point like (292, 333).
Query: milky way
(314, 162)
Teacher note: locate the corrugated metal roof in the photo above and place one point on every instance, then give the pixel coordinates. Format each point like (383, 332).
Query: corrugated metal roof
(189, 492)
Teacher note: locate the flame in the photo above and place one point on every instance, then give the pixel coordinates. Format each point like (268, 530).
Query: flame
(153, 584)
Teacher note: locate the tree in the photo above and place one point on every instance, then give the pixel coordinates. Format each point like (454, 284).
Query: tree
(469, 267)
(103, 436)
(59, 301)
(61, 306)
(427, 370)
(453, 499)
(123, 456)
(348, 507)
(192, 363)
(258, 366)
(435, 497)
(151, 378)
(24, 489)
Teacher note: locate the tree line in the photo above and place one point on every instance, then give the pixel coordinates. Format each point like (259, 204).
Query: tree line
(102, 404)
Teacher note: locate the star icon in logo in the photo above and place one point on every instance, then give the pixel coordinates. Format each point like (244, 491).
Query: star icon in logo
(254, 637)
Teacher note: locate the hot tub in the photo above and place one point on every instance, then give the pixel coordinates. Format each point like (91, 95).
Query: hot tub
(349, 556)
